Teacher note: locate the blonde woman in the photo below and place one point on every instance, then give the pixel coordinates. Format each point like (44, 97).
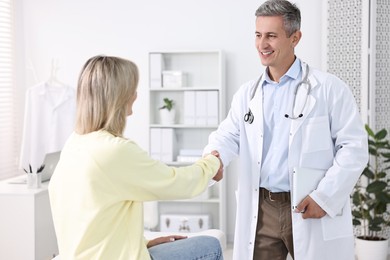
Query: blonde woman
(100, 183)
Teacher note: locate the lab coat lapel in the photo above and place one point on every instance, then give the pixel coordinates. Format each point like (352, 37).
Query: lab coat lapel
(56, 97)
(255, 130)
(300, 101)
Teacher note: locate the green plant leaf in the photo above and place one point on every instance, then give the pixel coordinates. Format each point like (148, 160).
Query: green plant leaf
(379, 144)
(369, 131)
(371, 202)
(376, 186)
(381, 134)
(372, 151)
(368, 173)
(383, 197)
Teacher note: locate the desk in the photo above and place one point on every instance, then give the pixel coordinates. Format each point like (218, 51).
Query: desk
(26, 225)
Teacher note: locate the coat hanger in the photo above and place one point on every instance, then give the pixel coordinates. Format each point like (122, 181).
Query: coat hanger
(53, 81)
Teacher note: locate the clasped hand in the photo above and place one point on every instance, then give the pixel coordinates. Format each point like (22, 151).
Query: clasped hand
(310, 209)
(219, 175)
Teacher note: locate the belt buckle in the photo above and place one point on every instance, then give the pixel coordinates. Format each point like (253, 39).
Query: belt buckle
(270, 197)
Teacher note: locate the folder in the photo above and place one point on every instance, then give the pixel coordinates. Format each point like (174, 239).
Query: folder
(212, 108)
(189, 108)
(304, 181)
(201, 108)
(155, 70)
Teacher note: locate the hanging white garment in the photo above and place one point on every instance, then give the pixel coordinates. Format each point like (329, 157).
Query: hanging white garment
(49, 119)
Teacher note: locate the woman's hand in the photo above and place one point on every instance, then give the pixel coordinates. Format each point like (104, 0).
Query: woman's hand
(162, 240)
(219, 175)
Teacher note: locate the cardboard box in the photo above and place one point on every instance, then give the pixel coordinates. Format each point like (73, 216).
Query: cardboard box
(184, 223)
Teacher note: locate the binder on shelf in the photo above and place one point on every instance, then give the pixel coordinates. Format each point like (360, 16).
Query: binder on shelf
(155, 70)
(189, 108)
(163, 144)
(212, 107)
(155, 143)
(201, 107)
(167, 145)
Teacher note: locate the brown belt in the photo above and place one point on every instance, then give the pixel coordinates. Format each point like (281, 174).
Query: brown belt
(275, 196)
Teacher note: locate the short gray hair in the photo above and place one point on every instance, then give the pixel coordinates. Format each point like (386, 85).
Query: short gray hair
(290, 13)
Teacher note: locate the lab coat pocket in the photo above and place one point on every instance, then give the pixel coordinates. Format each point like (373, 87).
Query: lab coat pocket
(338, 227)
(316, 135)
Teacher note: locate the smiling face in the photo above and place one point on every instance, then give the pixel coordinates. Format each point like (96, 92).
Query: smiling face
(275, 47)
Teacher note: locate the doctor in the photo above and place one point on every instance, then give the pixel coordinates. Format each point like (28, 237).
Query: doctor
(293, 115)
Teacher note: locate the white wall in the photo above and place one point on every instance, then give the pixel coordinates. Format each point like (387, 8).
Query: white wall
(71, 31)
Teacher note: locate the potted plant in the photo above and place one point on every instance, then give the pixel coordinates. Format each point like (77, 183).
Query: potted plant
(167, 112)
(371, 197)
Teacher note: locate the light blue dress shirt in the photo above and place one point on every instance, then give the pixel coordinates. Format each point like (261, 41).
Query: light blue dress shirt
(277, 101)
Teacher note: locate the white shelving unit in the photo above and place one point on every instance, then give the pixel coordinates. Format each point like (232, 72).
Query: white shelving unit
(196, 85)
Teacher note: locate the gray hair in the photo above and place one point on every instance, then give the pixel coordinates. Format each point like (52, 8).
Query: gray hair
(290, 13)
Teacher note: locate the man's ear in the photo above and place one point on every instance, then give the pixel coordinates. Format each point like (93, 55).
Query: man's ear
(296, 37)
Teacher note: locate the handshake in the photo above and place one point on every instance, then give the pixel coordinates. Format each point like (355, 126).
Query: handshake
(219, 175)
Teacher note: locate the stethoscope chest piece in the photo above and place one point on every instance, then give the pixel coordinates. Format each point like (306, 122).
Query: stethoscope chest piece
(249, 117)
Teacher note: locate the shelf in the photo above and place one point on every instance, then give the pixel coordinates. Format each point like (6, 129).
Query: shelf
(194, 80)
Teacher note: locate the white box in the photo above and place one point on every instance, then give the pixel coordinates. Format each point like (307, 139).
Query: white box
(184, 223)
(172, 79)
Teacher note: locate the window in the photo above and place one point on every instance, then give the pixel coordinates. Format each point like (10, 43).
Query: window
(9, 131)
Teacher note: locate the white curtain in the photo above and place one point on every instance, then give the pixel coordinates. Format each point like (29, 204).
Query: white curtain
(9, 130)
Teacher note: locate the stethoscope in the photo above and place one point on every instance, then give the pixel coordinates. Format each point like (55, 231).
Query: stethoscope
(249, 117)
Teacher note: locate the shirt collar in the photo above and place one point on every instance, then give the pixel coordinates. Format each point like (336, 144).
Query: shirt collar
(293, 72)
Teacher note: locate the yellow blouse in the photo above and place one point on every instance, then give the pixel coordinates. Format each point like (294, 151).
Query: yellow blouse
(97, 193)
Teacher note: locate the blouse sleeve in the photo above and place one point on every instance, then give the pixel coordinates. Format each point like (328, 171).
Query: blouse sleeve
(138, 177)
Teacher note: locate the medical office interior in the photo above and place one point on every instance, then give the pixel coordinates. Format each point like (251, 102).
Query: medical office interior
(207, 46)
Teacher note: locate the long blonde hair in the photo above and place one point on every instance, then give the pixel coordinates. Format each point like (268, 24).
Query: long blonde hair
(105, 87)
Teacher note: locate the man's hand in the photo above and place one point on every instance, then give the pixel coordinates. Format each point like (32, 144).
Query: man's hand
(310, 209)
(219, 175)
(162, 240)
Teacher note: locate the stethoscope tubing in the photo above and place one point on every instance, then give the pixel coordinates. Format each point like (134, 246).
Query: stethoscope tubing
(249, 117)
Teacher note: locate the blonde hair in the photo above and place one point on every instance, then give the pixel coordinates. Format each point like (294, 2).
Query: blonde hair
(105, 87)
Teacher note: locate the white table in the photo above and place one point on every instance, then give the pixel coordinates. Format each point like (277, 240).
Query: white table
(26, 225)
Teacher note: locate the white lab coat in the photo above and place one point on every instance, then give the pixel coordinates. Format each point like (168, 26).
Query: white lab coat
(330, 135)
(49, 118)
